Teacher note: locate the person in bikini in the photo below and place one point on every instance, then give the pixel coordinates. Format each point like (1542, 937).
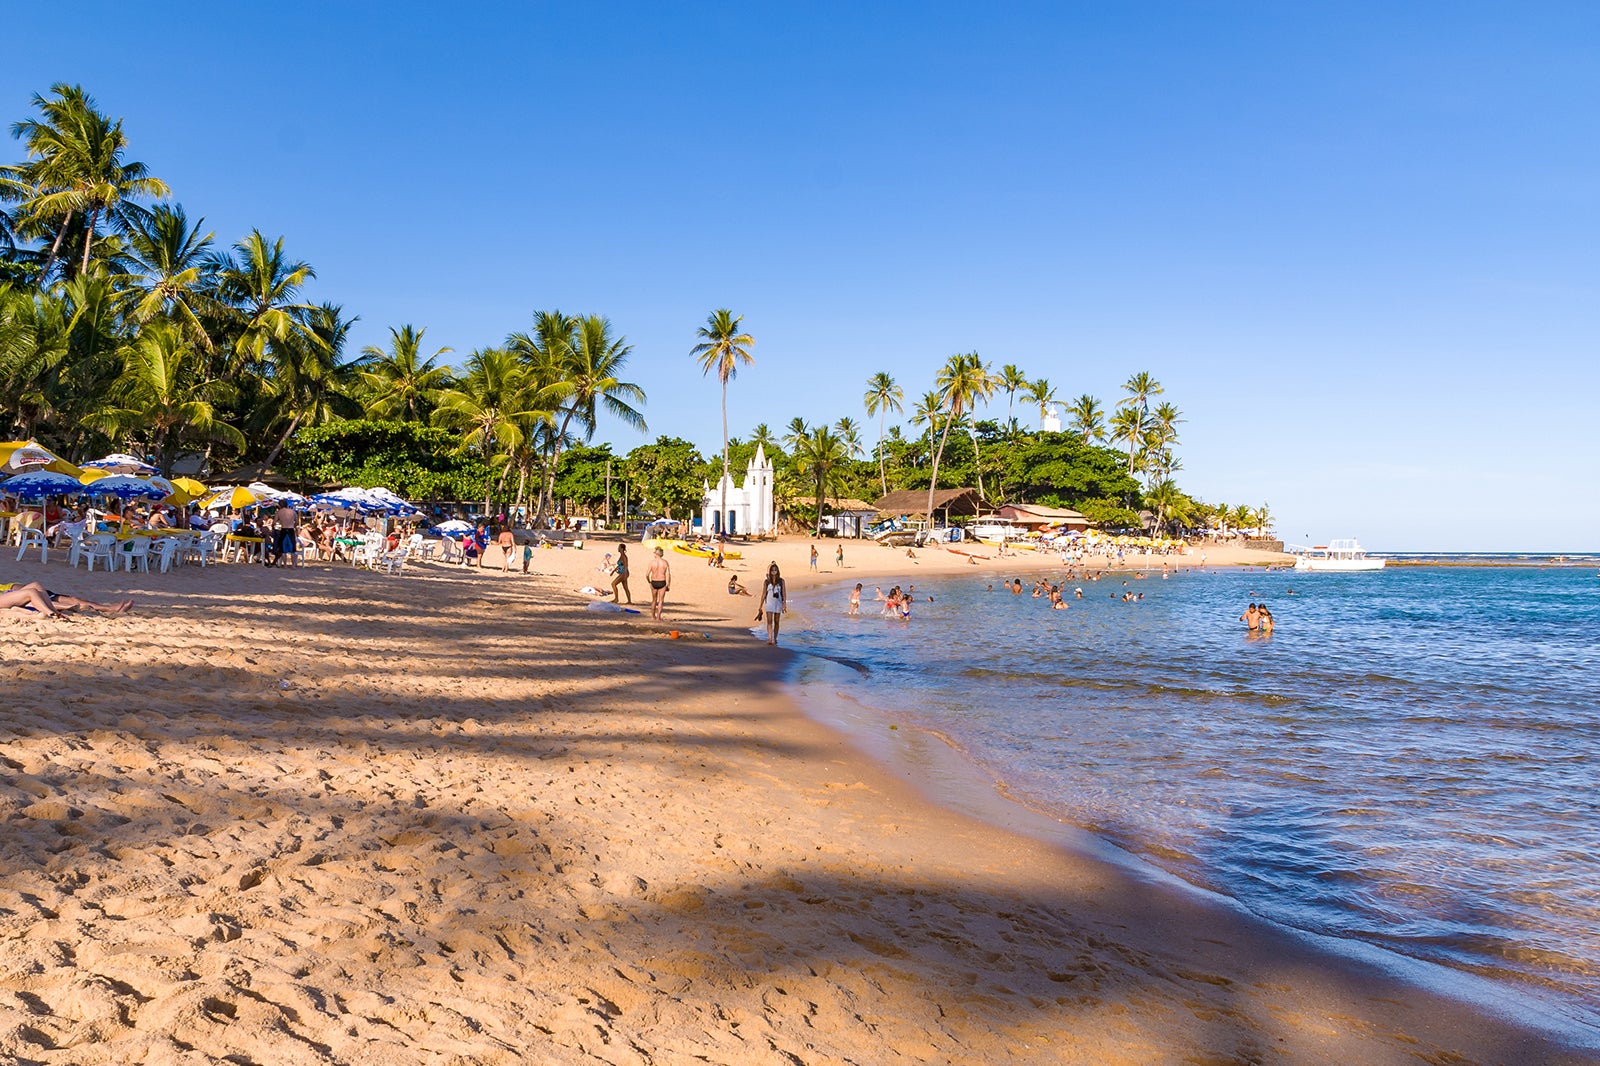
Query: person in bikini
(32, 596)
(774, 601)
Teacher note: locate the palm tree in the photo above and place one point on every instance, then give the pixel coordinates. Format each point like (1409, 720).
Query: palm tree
(926, 413)
(1043, 394)
(849, 432)
(1160, 437)
(762, 437)
(309, 376)
(76, 168)
(164, 397)
(1140, 387)
(1088, 421)
(1169, 503)
(1012, 380)
(1243, 517)
(1128, 425)
(1263, 518)
(964, 382)
(263, 284)
(587, 380)
(722, 348)
(400, 383)
(818, 455)
(794, 433)
(492, 405)
(883, 396)
(171, 272)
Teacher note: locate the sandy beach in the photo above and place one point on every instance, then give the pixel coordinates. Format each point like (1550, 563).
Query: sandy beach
(452, 816)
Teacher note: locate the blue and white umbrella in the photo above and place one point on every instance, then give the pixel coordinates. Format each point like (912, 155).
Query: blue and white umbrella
(124, 487)
(37, 484)
(121, 463)
(454, 525)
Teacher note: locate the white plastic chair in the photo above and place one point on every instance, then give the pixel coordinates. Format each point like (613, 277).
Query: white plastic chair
(206, 548)
(102, 546)
(166, 550)
(413, 545)
(392, 562)
(369, 552)
(136, 552)
(33, 538)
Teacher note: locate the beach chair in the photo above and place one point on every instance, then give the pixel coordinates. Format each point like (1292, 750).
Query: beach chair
(413, 545)
(101, 546)
(392, 562)
(136, 553)
(207, 548)
(369, 552)
(449, 550)
(166, 550)
(30, 537)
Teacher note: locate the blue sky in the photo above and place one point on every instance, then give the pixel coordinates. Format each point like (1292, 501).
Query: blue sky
(1357, 243)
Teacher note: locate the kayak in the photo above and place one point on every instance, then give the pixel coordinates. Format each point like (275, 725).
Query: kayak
(700, 552)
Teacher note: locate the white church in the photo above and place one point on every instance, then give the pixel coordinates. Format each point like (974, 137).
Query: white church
(751, 508)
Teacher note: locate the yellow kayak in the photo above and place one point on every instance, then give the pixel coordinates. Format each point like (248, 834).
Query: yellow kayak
(700, 552)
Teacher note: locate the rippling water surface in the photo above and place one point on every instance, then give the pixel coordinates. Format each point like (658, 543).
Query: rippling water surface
(1408, 761)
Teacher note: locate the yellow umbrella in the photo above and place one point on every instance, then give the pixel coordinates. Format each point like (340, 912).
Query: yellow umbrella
(20, 455)
(231, 497)
(190, 486)
(92, 474)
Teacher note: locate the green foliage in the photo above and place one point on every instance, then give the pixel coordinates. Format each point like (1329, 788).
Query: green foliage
(419, 462)
(1059, 470)
(668, 477)
(581, 476)
(1109, 514)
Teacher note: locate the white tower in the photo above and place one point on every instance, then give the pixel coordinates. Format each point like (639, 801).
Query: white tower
(751, 510)
(1050, 421)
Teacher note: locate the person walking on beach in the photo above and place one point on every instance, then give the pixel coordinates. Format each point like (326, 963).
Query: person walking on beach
(775, 600)
(621, 571)
(288, 534)
(660, 578)
(838, 557)
(507, 541)
(813, 557)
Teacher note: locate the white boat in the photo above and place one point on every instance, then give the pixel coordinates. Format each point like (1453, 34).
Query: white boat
(994, 531)
(1343, 556)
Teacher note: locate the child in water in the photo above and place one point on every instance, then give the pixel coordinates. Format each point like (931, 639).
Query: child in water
(855, 600)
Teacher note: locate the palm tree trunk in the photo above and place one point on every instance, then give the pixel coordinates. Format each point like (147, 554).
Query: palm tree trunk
(883, 478)
(488, 485)
(88, 240)
(548, 482)
(55, 249)
(294, 424)
(820, 477)
(722, 519)
(933, 484)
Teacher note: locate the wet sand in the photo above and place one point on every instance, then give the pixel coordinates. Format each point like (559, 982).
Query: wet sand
(331, 816)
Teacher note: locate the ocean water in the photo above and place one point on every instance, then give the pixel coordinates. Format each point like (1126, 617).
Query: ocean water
(1410, 762)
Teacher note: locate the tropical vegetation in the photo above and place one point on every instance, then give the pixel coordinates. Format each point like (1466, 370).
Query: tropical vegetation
(127, 325)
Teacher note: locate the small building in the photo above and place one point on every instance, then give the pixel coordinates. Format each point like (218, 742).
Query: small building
(1035, 516)
(751, 510)
(842, 516)
(913, 503)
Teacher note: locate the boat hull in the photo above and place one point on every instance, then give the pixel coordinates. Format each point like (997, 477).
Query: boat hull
(1341, 566)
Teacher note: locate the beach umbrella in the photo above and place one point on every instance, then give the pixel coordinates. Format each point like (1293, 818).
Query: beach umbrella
(17, 456)
(454, 525)
(126, 487)
(121, 463)
(38, 484)
(230, 496)
(189, 486)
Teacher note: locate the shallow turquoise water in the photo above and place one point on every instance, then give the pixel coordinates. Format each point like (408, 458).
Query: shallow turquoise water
(1410, 761)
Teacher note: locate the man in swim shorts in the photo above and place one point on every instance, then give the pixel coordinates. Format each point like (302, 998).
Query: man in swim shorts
(660, 576)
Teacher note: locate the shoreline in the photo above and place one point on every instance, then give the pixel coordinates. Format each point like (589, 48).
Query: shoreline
(456, 814)
(962, 781)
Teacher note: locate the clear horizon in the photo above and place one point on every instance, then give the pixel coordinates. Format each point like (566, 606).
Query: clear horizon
(1356, 245)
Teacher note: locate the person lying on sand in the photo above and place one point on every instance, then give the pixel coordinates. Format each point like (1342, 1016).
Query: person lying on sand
(33, 596)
